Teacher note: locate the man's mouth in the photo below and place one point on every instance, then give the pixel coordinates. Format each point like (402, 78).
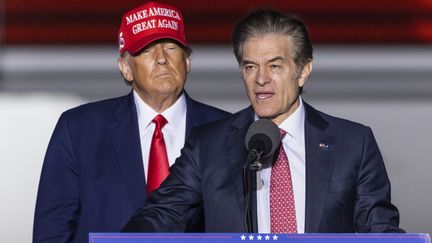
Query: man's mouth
(163, 75)
(264, 95)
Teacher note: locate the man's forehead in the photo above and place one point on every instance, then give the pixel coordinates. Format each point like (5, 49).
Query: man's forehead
(268, 44)
(266, 59)
(156, 42)
(162, 41)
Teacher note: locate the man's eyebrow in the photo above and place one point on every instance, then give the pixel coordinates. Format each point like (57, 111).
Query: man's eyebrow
(244, 62)
(278, 58)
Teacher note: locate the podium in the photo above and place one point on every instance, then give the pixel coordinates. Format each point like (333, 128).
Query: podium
(255, 238)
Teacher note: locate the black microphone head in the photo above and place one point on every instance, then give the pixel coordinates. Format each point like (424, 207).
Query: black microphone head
(264, 136)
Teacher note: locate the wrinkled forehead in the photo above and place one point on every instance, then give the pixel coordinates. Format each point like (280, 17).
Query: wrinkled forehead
(266, 48)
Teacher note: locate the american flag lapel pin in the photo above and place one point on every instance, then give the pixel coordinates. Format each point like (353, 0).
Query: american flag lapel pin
(323, 146)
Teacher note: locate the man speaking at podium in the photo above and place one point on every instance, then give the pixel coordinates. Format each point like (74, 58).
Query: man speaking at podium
(327, 176)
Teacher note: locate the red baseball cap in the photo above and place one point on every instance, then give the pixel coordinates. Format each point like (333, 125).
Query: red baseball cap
(147, 23)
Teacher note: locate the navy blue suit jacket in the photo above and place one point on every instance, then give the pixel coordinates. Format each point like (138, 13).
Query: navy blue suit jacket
(347, 188)
(93, 178)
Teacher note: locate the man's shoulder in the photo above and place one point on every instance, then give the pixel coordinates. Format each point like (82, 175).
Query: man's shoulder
(97, 109)
(234, 121)
(335, 123)
(204, 110)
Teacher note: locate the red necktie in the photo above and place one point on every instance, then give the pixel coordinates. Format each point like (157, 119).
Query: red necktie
(282, 208)
(158, 159)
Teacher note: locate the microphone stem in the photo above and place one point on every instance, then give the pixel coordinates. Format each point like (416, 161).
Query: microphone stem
(246, 189)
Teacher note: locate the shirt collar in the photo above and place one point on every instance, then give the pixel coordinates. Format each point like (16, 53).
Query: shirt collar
(174, 113)
(294, 124)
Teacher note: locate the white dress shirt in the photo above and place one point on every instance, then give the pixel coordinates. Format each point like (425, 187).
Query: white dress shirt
(174, 131)
(294, 145)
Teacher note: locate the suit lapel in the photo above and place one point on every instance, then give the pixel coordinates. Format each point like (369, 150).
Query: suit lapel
(125, 136)
(319, 166)
(236, 152)
(193, 118)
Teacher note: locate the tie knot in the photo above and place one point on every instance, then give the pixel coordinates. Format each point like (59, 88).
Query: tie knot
(282, 133)
(160, 121)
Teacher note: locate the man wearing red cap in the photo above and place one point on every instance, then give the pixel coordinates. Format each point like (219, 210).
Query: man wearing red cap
(105, 158)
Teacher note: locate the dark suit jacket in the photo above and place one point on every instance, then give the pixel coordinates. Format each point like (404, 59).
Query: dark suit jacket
(93, 178)
(347, 188)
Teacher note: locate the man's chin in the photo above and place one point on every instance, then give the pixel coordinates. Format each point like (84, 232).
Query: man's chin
(274, 116)
(265, 114)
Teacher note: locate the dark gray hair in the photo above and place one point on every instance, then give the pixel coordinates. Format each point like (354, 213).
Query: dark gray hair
(262, 22)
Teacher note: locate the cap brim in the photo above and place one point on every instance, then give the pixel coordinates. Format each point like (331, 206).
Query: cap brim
(143, 42)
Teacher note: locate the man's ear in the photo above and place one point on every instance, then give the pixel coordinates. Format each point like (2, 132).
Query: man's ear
(188, 64)
(125, 68)
(307, 70)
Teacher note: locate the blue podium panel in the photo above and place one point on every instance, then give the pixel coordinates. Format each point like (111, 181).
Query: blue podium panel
(256, 238)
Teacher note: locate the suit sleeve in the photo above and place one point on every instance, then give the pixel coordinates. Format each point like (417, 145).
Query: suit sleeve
(57, 205)
(172, 207)
(374, 212)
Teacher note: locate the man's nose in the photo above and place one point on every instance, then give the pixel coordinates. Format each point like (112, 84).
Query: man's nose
(160, 56)
(262, 77)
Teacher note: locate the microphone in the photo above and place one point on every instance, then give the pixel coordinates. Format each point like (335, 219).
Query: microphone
(262, 140)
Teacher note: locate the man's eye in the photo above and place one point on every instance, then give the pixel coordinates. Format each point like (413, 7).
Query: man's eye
(146, 50)
(171, 47)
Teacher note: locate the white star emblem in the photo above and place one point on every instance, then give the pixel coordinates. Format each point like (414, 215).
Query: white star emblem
(259, 237)
(275, 237)
(251, 237)
(243, 237)
(267, 237)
